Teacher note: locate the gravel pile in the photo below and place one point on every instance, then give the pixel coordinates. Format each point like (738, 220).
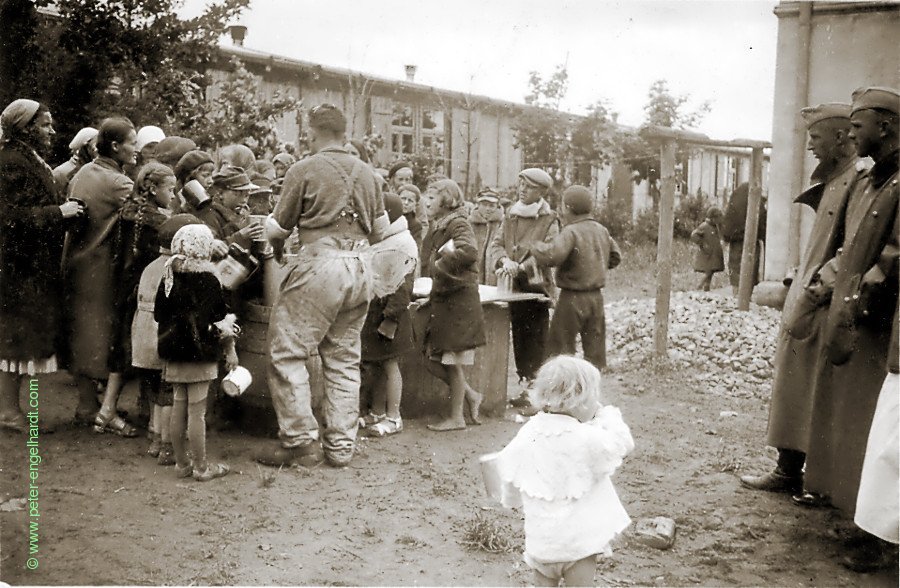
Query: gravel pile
(727, 351)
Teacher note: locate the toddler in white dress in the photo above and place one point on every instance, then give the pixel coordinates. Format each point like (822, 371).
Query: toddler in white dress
(558, 470)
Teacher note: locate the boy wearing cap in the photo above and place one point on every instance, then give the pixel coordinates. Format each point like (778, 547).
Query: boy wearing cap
(485, 219)
(799, 339)
(857, 331)
(227, 215)
(582, 252)
(529, 221)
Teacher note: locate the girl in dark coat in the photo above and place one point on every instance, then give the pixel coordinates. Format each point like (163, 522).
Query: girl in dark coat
(455, 325)
(387, 333)
(33, 223)
(708, 258)
(194, 329)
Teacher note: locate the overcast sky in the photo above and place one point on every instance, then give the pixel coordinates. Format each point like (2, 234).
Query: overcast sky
(721, 51)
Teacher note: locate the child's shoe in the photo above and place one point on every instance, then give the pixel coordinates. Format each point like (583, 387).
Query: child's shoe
(385, 427)
(166, 455)
(211, 472)
(371, 419)
(155, 445)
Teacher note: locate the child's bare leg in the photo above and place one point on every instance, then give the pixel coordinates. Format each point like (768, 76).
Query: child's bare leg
(179, 425)
(155, 419)
(391, 386)
(582, 572)
(379, 394)
(111, 394)
(473, 401)
(542, 580)
(196, 423)
(165, 423)
(456, 380)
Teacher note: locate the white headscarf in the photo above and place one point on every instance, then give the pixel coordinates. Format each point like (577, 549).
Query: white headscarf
(191, 250)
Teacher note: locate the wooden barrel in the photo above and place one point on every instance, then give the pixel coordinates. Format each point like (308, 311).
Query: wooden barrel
(256, 414)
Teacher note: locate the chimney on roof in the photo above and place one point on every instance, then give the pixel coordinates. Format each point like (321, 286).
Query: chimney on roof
(411, 73)
(238, 32)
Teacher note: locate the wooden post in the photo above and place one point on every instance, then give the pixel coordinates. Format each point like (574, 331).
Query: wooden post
(664, 247)
(748, 257)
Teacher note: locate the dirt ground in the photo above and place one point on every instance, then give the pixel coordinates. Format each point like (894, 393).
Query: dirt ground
(399, 514)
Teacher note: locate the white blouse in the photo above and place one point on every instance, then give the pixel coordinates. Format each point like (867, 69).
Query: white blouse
(558, 469)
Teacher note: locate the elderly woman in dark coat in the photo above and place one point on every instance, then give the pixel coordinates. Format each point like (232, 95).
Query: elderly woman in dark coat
(91, 285)
(33, 221)
(455, 324)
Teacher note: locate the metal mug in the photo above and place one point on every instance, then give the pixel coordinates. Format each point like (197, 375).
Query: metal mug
(195, 194)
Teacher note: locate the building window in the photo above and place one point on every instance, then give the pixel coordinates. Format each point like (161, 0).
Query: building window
(402, 131)
(431, 131)
(416, 129)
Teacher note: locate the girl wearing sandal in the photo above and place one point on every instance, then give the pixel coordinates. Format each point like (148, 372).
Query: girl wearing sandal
(387, 333)
(194, 329)
(455, 324)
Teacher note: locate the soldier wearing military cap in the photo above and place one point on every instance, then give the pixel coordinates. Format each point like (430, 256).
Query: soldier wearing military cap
(227, 215)
(857, 330)
(528, 221)
(799, 339)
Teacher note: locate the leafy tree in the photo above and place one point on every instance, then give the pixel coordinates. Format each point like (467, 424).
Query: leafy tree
(663, 109)
(136, 58)
(542, 132)
(593, 142)
(237, 115)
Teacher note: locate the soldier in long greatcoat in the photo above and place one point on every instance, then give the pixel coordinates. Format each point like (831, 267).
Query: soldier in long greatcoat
(857, 332)
(828, 126)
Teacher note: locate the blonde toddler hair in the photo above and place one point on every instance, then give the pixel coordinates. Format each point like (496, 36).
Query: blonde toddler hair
(565, 382)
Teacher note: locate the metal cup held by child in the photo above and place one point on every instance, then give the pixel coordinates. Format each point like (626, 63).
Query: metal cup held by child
(195, 194)
(490, 473)
(234, 269)
(237, 381)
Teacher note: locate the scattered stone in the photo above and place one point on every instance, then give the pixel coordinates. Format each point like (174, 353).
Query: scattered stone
(658, 532)
(13, 505)
(729, 352)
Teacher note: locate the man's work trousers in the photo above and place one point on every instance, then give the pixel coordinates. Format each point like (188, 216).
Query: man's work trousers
(322, 304)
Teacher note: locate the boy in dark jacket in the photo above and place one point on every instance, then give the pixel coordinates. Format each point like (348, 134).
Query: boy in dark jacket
(581, 254)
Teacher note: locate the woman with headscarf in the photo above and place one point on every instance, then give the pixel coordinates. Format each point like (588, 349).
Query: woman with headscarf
(91, 284)
(33, 221)
(83, 150)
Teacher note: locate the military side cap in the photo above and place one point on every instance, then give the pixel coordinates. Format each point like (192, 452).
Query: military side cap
(876, 97)
(578, 199)
(233, 178)
(536, 177)
(814, 114)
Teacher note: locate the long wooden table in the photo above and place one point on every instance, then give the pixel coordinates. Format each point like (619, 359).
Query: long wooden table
(426, 396)
(423, 394)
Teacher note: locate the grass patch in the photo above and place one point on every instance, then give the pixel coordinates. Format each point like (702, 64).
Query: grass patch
(488, 534)
(636, 275)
